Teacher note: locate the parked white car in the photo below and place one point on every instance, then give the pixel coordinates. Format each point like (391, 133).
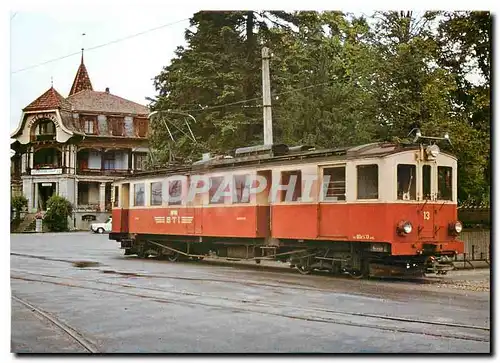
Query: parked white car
(102, 227)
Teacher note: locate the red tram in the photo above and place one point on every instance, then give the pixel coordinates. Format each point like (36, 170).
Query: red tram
(376, 209)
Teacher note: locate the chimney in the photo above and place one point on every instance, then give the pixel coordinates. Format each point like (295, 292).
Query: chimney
(107, 89)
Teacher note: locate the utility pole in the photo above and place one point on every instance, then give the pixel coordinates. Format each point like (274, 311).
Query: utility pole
(266, 98)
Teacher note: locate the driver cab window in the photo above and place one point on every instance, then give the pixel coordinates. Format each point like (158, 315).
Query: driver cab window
(407, 184)
(426, 182)
(445, 191)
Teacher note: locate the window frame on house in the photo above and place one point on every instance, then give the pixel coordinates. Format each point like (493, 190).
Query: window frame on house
(141, 127)
(106, 159)
(43, 127)
(140, 156)
(117, 126)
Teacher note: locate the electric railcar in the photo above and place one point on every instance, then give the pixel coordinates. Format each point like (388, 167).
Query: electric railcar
(379, 209)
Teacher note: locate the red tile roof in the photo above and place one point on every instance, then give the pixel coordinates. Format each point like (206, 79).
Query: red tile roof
(51, 99)
(95, 101)
(82, 80)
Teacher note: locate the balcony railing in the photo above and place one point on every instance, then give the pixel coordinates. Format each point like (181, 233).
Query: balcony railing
(43, 137)
(95, 171)
(93, 208)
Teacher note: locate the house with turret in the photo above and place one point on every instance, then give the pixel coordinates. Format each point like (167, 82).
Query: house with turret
(76, 146)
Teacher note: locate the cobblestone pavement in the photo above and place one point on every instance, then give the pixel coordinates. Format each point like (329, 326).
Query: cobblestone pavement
(76, 292)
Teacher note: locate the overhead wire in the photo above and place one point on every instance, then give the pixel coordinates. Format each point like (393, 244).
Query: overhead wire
(256, 98)
(100, 45)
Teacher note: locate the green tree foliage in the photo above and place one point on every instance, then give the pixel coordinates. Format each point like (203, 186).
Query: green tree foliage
(19, 204)
(58, 211)
(337, 79)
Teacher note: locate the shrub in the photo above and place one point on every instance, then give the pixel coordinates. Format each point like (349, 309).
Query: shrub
(58, 211)
(19, 203)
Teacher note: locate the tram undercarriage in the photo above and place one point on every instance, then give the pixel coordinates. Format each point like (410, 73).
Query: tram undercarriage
(338, 258)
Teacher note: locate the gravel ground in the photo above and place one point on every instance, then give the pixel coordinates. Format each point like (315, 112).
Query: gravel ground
(123, 304)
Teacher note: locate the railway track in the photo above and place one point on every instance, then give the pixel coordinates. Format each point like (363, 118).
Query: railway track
(76, 336)
(310, 313)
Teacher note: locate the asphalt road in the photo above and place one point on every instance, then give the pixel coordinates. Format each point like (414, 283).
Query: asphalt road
(77, 292)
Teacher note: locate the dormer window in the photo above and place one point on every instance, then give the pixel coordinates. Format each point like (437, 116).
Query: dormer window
(89, 127)
(46, 128)
(89, 124)
(141, 127)
(117, 126)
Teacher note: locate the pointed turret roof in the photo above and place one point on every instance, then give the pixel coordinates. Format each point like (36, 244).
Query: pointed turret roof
(51, 99)
(82, 80)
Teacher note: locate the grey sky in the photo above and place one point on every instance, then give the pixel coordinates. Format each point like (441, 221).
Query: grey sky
(127, 67)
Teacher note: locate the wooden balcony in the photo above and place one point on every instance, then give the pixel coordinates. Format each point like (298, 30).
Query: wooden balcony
(93, 208)
(46, 169)
(43, 137)
(92, 171)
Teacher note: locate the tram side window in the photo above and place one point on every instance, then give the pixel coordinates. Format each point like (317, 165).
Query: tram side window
(407, 184)
(115, 201)
(175, 192)
(156, 197)
(139, 194)
(215, 183)
(426, 182)
(445, 191)
(241, 189)
(367, 181)
(334, 182)
(286, 179)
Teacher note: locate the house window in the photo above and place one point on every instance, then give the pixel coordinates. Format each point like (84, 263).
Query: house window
(334, 183)
(426, 182)
(407, 184)
(241, 191)
(117, 126)
(83, 193)
(109, 161)
(89, 127)
(139, 194)
(156, 197)
(445, 190)
(174, 192)
(368, 181)
(287, 178)
(140, 161)
(141, 127)
(46, 128)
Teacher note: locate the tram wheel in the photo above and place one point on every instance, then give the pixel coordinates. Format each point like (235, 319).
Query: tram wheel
(173, 257)
(304, 270)
(356, 275)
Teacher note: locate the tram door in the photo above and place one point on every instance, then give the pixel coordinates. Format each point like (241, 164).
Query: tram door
(263, 205)
(125, 200)
(426, 210)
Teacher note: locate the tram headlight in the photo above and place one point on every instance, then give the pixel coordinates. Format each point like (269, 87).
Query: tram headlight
(404, 227)
(455, 228)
